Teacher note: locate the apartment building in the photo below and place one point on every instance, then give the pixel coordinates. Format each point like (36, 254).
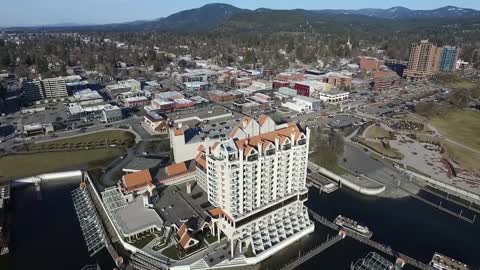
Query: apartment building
(55, 87)
(32, 90)
(256, 180)
(422, 61)
(448, 59)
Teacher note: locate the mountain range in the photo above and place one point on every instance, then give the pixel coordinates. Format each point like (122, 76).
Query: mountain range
(224, 16)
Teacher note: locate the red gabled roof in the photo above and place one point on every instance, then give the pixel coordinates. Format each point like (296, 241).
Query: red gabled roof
(175, 169)
(137, 179)
(263, 119)
(178, 132)
(184, 241)
(183, 229)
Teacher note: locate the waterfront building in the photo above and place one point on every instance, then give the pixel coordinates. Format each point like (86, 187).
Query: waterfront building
(136, 183)
(256, 180)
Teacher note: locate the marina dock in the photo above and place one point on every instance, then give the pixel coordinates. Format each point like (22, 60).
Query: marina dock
(380, 247)
(312, 253)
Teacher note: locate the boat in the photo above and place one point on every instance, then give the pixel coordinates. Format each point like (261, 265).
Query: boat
(354, 226)
(442, 262)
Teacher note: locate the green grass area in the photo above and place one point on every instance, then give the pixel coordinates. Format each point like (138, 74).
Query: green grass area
(93, 140)
(467, 159)
(143, 240)
(211, 239)
(327, 148)
(158, 146)
(24, 165)
(374, 131)
(172, 252)
(379, 147)
(462, 126)
(456, 82)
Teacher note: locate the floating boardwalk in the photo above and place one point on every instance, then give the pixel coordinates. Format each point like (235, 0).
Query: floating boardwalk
(440, 207)
(371, 243)
(92, 228)
(312, 253)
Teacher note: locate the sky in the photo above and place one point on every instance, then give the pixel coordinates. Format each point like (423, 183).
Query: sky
(46, 12)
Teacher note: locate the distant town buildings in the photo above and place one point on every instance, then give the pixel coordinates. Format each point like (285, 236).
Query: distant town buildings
(385, 80)
(340, 79)
(426, 59)
(370, 63)
(32, 90)
(54, 87)
(448, 59)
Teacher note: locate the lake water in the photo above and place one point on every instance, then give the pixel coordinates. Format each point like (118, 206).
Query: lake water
(47, 235)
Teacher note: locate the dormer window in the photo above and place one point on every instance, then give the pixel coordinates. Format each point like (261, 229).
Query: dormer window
(287, 144)
(303, 140)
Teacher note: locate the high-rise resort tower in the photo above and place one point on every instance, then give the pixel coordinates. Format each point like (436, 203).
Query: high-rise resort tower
(256, 179)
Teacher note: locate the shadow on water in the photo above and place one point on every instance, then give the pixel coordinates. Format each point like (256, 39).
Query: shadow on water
(407, 225)
(46, 233)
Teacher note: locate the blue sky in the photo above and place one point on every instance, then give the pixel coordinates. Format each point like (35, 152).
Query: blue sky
(40, 12)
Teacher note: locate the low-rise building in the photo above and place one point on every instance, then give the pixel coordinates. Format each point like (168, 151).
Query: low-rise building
(156, 122)
(134, 85)
(86, 95)
(106, 113)
(37, 129)
(196, 86)
(111, 113)
(222, 96)
(303, 104)
(370, 63)
(340, 79)
(385, 80)
(333, 96)
(245, 106)
(290, 76)
(311, 88)
(136, 183)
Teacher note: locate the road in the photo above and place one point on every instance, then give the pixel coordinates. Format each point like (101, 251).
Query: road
(133, 122)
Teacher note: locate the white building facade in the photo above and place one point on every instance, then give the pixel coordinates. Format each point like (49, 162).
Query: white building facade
(257, 181)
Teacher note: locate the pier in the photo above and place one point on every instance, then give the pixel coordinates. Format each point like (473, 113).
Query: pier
(439, 206)
(380, 247)
(312, 253)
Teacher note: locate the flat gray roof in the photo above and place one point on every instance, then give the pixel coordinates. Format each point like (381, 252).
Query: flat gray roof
(216, 129)
(140, 164)
(175, 206)
(203, 113)
(134, 217)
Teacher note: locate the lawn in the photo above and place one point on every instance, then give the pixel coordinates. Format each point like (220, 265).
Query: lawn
(374, 131)
(467, 159)
(462, 126)
(98, 139)
(380, 148)
(24, 165)
(455, 82)
(172, 252)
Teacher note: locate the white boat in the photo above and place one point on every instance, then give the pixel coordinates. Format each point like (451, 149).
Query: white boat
(353, 226)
